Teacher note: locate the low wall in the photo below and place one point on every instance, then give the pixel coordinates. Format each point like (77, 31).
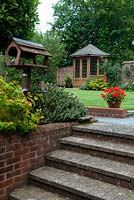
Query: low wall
(108, 112)
(20, 154)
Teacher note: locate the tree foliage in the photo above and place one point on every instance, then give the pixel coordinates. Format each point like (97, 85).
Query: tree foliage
(115, 27)
(113, 72)
(108, 24)
(17, 18)
(52, 42)
(71, 22)
(9, 73)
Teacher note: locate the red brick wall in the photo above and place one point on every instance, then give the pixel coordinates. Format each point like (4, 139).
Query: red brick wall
(62, 72)
(129, 66)
(108, 112)
(20, 154)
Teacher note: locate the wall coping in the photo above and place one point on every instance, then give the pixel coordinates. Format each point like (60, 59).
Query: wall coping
(128, 62)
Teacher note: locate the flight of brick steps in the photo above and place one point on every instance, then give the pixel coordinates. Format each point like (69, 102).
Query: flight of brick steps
(95, 163)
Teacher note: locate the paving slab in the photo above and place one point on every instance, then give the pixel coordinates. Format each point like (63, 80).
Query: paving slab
(96, 164)
(95, 144)
(129, 121)
(109, 129)
(80, 185)
(28, 192)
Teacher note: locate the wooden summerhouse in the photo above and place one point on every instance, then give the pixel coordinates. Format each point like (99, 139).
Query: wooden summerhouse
(26, 55)
(85, 64)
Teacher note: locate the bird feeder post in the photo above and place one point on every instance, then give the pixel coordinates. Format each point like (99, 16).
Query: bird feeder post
(22, 54)
(26, 80)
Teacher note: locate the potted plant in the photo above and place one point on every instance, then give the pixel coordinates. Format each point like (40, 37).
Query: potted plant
(113, 96)
(68, 81)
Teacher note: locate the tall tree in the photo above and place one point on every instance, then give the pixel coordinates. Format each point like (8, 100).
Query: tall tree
(108, 24)
(52, 42)
(114, 28)
(71, 22)
(17, 18)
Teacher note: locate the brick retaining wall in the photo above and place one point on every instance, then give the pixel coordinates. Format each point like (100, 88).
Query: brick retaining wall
(20, 154)
(108, 112)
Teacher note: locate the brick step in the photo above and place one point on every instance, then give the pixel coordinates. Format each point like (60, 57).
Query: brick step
(96, 167)
(106, 131)
(29, 192)
(106, 149)
(85, 188)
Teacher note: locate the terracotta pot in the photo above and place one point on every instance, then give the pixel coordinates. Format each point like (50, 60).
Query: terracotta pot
(114, 105)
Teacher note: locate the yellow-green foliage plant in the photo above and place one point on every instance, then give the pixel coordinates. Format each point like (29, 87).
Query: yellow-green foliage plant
(98, 84)
(95, 84)
(16, 110)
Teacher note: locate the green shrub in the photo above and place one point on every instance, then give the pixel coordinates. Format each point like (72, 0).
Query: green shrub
(113, 72)
(59, 106)
(128, 86)
(15, 109)
(68, 81)
(86, 85)
(9, 73)
(94, 84)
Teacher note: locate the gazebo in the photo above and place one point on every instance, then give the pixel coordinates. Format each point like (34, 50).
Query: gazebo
(85, 64)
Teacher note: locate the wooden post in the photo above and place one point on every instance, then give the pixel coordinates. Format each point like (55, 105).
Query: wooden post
(42, 86)
(26, 81)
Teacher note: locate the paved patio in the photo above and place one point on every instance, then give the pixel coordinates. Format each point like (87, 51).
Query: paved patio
(125, 121)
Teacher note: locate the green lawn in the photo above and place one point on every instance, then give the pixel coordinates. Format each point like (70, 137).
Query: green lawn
(93, 98)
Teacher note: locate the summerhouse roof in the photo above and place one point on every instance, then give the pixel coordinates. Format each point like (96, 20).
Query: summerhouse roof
(90, 50)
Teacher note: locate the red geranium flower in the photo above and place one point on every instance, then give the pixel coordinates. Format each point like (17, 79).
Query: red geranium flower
(103, 95)
(113, 94)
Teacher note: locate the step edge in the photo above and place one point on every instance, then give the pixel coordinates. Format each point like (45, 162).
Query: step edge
(14, 195)
(126, 191)
(103, 132)
(63, 187)
(99, 148)
(94, 169)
